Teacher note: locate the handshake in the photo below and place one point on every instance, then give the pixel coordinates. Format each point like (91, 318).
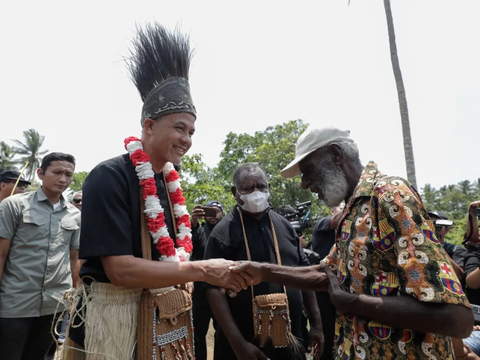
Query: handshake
(230, 275)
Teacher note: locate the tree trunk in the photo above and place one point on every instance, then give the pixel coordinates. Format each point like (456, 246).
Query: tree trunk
(402, 99)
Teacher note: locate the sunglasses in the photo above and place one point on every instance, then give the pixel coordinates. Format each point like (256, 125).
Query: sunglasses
(20, 185)
(77, 201)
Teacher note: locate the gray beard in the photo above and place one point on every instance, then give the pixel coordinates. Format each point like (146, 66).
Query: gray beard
(332, 183)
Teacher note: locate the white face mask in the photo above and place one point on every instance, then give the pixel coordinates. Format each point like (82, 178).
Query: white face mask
(255, 202)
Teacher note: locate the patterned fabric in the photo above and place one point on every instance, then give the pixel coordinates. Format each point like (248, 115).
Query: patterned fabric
(386, 246)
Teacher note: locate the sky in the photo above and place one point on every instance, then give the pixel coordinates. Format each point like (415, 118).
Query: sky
(256, 64)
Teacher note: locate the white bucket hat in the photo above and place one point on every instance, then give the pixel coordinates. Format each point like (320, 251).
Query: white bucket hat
(311, 140)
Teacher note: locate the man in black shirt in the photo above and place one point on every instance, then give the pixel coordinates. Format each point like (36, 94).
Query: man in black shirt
(323, 238)
(228, 240)
(456, 252)
(110, 240)
(202, 313)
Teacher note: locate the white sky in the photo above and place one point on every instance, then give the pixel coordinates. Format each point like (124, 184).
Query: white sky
(256, 63)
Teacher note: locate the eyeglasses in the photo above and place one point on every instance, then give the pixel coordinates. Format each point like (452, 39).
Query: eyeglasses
(20, 185)
(77, 201)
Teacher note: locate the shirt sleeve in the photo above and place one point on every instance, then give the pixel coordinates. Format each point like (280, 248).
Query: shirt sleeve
(422, 265)
(9, 218)
(472, 263)
(75, 242)
(459, 253)
(106, 224)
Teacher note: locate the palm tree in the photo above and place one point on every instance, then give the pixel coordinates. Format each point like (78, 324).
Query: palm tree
(30, 149)
(6, 156)
(402, 99)
(466, 187)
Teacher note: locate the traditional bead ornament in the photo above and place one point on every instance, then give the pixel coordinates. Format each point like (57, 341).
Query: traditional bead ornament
(154, 211)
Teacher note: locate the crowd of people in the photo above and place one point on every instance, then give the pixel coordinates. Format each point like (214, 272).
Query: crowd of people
(108, 274)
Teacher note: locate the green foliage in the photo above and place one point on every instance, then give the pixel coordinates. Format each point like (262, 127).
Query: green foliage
(454, 201)
(6, 157)
(78, 180)
(29, 150)
(200, 183)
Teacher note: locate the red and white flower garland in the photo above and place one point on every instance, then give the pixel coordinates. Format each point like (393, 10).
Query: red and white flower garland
(154, 211)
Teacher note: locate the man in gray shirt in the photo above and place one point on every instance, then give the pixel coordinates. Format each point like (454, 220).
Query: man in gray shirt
(39, 240)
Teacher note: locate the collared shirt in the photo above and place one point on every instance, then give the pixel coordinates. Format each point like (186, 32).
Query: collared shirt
(37, 271)
(386, 246)
(227, 241)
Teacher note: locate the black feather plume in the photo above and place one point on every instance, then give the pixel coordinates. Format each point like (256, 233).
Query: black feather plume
(156, 55)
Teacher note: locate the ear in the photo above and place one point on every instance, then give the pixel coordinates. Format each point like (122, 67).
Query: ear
(148, 126)
(40, 174)
(337, 154)
(233, 189)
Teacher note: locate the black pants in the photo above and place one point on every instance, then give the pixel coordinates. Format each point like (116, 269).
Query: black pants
(328, 313)
(25, 338)
(202, 313)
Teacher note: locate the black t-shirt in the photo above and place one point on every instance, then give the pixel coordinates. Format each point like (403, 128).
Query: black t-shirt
(227, 241)
(472, 263)
(456, 252)
(323, 237)
(111, 215)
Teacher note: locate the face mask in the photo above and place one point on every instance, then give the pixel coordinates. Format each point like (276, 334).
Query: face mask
(255, 202)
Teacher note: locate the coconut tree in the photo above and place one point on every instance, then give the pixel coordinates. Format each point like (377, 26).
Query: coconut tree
(402, 98)
(6, 156)
(29, 150)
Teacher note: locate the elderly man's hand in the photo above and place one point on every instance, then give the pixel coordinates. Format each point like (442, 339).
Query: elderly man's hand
(250, 271)
(337, 295)
(217, 272)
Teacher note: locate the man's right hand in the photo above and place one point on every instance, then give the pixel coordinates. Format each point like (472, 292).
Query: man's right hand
(251, 271)
(248, 351)
(196, 215)
(217, 272)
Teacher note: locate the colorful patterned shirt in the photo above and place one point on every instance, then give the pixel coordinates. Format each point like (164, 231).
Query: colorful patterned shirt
(386, 246)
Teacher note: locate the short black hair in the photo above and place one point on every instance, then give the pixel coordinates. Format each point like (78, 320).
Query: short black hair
(246, 167)
(56, 156)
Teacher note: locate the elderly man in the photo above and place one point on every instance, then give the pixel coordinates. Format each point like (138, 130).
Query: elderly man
(136, 232)
(8, 179)
(394, 288)
(39, 240)
(253, 231)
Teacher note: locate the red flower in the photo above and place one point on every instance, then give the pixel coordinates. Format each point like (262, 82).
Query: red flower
(149, 187)
(166, 246)
(139, 156)
(155, 224)
(129, 140)
(186, 243)
(185, 219)
(173, 176)
(177, 197)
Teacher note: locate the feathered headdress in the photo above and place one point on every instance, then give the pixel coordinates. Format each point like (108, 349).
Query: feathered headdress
(159, 65)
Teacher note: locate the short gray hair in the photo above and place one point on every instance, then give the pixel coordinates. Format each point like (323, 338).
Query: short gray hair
(251, 167)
